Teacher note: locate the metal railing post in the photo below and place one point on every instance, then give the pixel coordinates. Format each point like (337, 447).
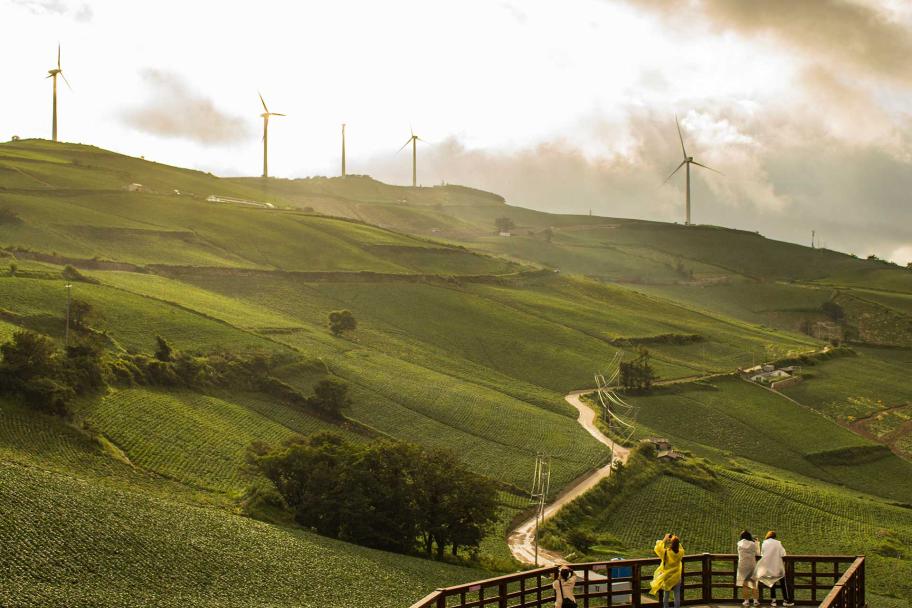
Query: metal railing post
(635, 587)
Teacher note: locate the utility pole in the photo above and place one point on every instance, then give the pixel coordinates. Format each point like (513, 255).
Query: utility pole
(66, 335)
(813, 235)
(541, 487)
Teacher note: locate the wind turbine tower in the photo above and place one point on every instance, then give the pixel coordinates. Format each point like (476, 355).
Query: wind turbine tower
(343, 149)
(266, 114)
(686, 163)
(53, 73)
(414, 139)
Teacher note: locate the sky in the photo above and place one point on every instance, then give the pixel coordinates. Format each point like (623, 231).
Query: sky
(804, 107)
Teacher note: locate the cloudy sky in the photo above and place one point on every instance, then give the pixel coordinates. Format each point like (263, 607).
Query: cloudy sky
(804, 106)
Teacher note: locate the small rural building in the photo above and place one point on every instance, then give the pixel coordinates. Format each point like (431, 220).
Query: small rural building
(785, 382)
(660, 443)
(768, 377)
(669, 455)
(504, 233)
(134, 187)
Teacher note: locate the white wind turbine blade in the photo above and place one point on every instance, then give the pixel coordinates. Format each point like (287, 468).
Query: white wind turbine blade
(705, 167)
(262, 101)
(65, 80)
(683, 162)
(680, 137)
(58, 56)
(277, 114)
(404, 145)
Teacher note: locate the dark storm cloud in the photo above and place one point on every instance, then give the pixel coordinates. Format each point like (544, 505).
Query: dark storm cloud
(857, 37)
(174, 110)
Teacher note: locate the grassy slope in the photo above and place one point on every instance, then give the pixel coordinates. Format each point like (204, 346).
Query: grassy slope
(436, 362)
(870, 393)
(809, 518)
(747, 421)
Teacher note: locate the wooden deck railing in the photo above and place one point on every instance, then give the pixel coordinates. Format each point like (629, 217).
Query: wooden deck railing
(827, 581)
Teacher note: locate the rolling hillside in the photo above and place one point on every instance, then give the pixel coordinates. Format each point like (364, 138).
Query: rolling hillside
(465, 341)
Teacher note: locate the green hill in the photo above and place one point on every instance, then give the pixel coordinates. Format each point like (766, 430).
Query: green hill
(465, 341)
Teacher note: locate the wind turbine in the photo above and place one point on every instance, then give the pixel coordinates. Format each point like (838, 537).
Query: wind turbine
(343, 149)
(266, 114)
(688, 161)
(58, 71)
(414, 139)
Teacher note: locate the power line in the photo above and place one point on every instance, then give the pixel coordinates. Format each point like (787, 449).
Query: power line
(541, 488)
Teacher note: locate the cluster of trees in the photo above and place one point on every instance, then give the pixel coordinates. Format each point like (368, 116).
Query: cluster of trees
(341, 321)
(391, 496)
(46, 377)
(172, 368)
(637, 374)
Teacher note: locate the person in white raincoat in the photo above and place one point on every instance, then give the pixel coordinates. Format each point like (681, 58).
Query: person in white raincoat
(746, 579)
(771, 568)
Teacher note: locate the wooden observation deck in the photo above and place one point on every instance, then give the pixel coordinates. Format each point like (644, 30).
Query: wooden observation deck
(827, 581)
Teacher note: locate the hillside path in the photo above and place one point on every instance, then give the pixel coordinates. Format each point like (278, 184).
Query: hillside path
(522, 539)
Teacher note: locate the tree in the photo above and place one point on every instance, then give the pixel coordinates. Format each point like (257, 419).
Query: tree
(381, 509)
(340, 321)
(30, 368)
(386, 495)
(637, 374)
(81, 313)
(833, 310)
(163, 350)
(27, 356)
(307, 475)
(330, 396)
(504, 224)
(908, 265)
(548, 234)
(581, 539)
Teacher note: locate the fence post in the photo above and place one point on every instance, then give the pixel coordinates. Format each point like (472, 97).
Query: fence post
(441, 600)
(635, 587)
(502, 595)
(706, 578)
(586, 587)
(860, 576)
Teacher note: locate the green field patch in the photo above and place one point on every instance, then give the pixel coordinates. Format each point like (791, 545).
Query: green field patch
(745, 420)
(196, 439)
(132, 321)
(65, 541)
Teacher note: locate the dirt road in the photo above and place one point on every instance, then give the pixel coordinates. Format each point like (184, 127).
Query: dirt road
(522, 539)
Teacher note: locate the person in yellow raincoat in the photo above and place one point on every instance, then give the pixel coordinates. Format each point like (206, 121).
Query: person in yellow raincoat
(668, 576)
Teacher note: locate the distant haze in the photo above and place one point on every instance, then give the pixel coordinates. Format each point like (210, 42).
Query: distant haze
(804, 106)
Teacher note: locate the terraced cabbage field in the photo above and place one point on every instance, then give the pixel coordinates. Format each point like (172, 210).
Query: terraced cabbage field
(196, 439)
(734, 417)
(809, 518)
(68, 542)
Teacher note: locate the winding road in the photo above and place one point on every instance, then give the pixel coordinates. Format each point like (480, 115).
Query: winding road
(522, 539)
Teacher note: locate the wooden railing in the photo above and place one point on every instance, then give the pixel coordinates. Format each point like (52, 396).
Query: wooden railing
(827, 581)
